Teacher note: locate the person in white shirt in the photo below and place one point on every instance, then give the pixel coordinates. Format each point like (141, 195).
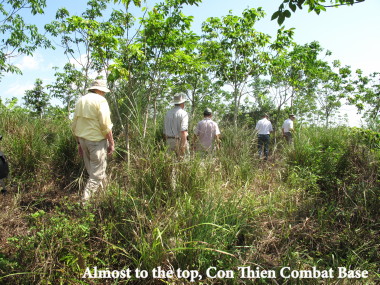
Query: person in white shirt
(264, 128)
(176, 126)
(288, 129)
(207, 134)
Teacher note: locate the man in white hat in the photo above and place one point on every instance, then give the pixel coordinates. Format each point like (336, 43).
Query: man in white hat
(176, 126)
(92, 128)
(207, 133)
(288, 129)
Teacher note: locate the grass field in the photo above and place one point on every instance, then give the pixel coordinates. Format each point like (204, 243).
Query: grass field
(312, 207)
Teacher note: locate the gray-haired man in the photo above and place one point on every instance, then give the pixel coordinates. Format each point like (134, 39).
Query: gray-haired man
(176, 126)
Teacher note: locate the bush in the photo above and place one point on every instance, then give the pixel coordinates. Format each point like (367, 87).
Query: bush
(339, 171)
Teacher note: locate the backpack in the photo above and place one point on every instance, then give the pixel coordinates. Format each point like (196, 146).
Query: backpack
(4, 167)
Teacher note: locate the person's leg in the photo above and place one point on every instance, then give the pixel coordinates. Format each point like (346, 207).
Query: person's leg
(260, 144)
(288, 137)
(96, 157)
(86, 159)
(2, 186)
(178, 151)
(86, 154)
(201, 151)
(171, 144)
(266, 146)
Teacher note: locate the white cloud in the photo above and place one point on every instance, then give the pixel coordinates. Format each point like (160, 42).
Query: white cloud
(354, 119)
(30, 62)
(80, 61)
(18, 90)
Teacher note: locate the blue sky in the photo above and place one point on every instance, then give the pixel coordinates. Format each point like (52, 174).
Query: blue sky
(351, 33)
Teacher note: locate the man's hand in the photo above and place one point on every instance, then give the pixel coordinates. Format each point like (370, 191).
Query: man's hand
(182, 143)
(110, 149)
(217, 140)
(193, 144)
(80, 151)
(111, 143)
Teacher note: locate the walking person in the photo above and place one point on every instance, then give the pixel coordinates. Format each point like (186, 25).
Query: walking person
(207, 134)
(176, 126)
(264, 128)
(288, 129)
(4, 170)
(92, 128)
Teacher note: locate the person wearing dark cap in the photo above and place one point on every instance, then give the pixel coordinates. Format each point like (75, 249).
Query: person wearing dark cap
(288, 129)
(264, 128)
(176, 126)
(92, 128)
(206, 134)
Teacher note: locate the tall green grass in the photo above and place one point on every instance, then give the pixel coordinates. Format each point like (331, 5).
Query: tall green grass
(339, 172)
(316, 205)
(38, 150)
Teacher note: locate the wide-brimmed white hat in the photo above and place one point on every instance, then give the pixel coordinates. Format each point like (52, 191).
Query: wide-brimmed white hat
(99, 85)
(179, 98)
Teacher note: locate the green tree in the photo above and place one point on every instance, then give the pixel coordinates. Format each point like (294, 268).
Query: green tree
(92, 42)
(365, 95)
(197, 82)
(236, 51)
(330, 91)
(288, 6)
(76, 32)
(68, 86)
(37, 99)
(294, 78)
(18, 37)
(164, 38)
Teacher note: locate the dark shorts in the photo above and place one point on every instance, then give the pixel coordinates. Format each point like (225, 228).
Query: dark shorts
(288, 137)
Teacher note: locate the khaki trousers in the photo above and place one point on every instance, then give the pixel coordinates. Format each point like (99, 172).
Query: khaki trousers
(173, 146)
(202, 151)
(95, 161)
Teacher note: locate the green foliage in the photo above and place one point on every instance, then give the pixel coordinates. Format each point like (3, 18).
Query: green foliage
(68, 86)
(367, 137)
(313, 5)
(339, 170)
(315, 206)
(339, 162)
(164, 56)
(320, 152)
(19, 37)
(62, 244)
(240, 170)
(235, 50)
(364, 94)
(37, 99)
(42, 149)
(314, 203)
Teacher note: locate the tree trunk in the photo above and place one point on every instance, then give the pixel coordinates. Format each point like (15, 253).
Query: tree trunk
(146, 115)
(235, 108)
(155, 114)
(125, 128)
